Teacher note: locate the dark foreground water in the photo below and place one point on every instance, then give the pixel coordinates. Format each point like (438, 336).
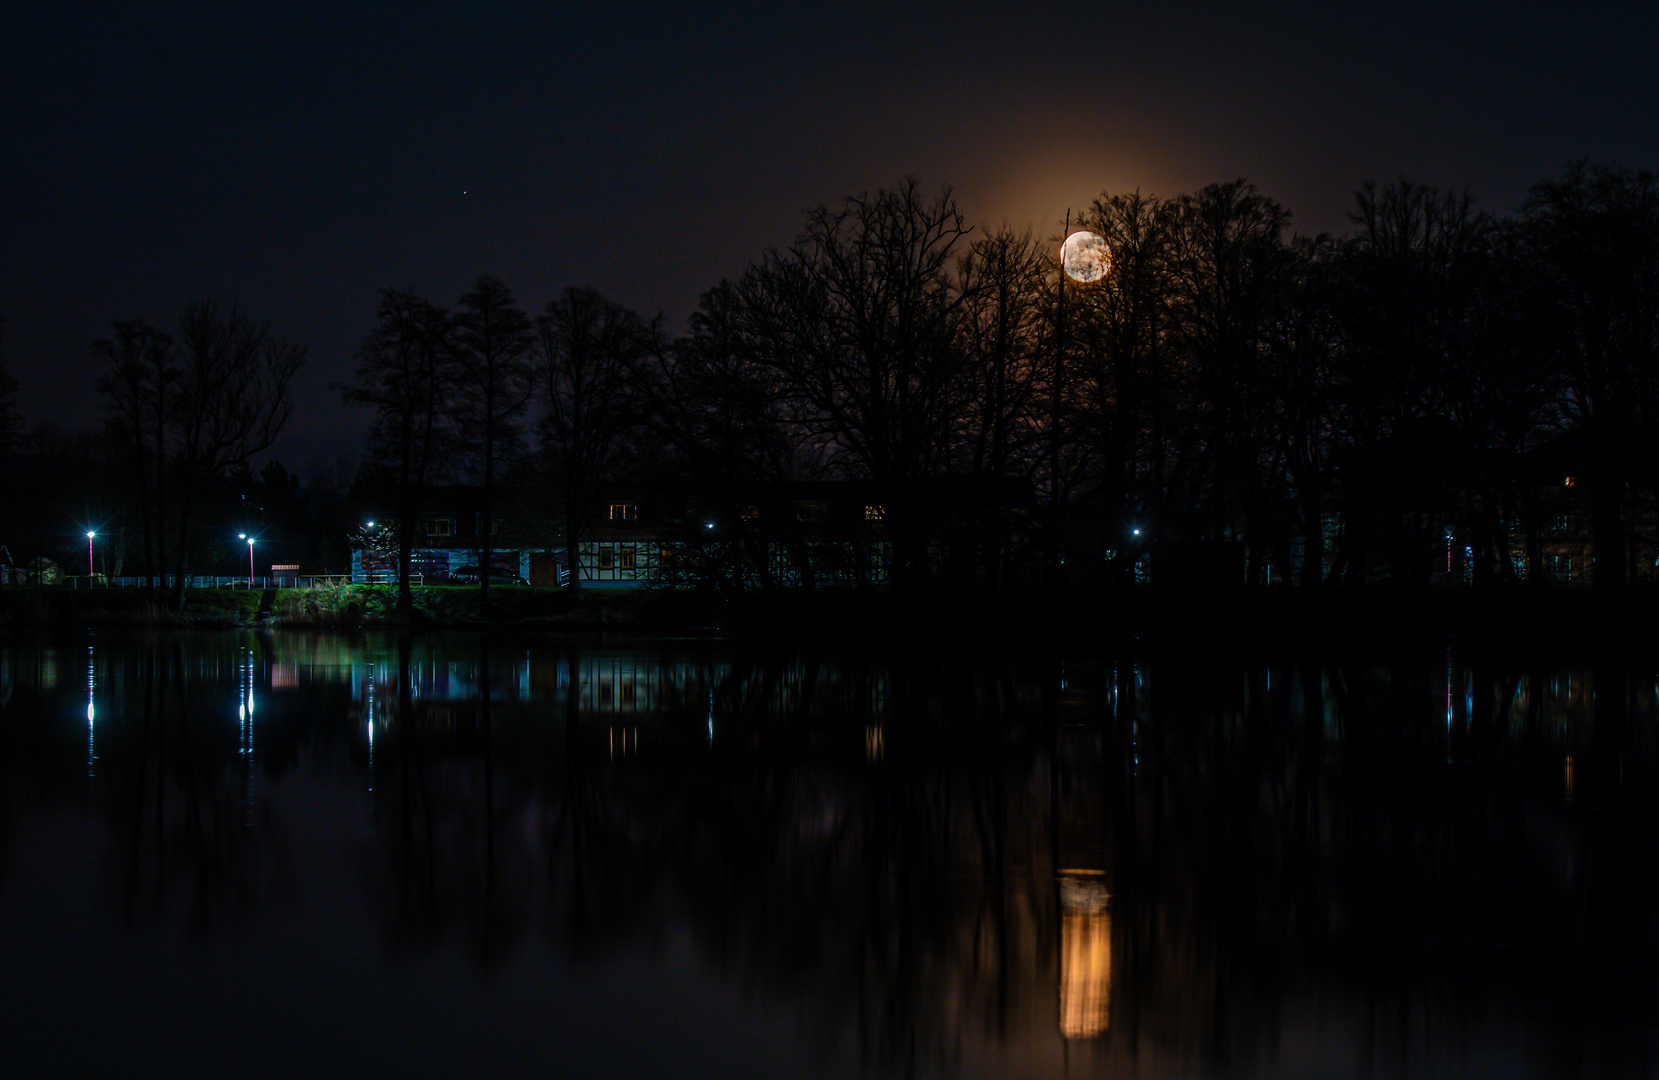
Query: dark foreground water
(305, 855)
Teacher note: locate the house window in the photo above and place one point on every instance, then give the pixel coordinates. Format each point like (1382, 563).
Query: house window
(440, 526)
(749, 513)
(875, 512)
(627, 557)
(607, 558)
(624, 511)
(811, 511)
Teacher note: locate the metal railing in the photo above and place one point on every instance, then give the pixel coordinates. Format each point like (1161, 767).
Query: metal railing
(208, 581)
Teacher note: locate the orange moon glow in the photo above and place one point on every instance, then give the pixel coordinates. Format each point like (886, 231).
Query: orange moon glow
(1086, 256)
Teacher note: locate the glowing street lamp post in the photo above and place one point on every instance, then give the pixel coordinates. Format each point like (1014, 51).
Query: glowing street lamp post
(89, 537)
(249, 539)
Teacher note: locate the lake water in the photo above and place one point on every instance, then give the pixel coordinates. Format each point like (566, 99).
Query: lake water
(295, 854)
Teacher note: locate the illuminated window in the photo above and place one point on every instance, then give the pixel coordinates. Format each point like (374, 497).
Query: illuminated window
(440, 526)
(627, 557)
(748, 513)
(875, 512)
(624, 511)
(606, 558)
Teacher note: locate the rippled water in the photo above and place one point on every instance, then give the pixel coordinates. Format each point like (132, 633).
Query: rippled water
(292, 854)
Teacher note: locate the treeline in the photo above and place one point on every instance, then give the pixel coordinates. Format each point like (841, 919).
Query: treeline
(1354, 407)
(187, 410)
(1332, 410)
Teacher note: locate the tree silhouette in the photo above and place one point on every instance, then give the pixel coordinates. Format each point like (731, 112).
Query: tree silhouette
(406, 370)
(494, 381)
(857, 319)
(138, 386)
(1122, 392)
(589, 347)
(218, 397)
(1228, 260)
(11, 422)
(720, 412)
(1596, 231)
(1002, 331)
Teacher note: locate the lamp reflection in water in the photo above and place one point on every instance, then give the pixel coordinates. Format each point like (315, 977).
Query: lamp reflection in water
(1085, 953)
(369, 725)
(91, 733)
(244, 720)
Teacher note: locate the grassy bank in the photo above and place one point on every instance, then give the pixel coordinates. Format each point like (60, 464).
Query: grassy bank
(343, 606)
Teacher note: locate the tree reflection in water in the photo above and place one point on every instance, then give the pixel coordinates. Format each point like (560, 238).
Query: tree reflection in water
(1159, 861)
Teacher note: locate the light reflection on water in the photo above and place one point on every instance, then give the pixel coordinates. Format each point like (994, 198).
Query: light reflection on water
(321, 854)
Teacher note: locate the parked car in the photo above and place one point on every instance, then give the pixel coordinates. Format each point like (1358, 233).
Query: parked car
(468, 575)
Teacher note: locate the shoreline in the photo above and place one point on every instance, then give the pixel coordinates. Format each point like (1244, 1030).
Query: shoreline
(1247, 619)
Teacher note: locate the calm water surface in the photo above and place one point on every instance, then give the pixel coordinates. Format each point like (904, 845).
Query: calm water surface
(296, 854)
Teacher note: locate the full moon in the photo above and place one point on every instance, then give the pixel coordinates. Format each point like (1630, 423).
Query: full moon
(1085, 256)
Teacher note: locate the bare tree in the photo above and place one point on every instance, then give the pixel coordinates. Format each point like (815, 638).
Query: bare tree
(11, 444)
(406, 371)
(11, 423)
(138, 386)
(1305, 344)
(1408, 289)
(1123, 392)
(589, 346)
(1228, 261)
(714, 402)
(858, 320)
(493, 339)
(721, 414)
(1596, 231)
(232, 401)
(1003, 331)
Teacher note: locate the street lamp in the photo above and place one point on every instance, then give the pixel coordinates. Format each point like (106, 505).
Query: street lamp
(249, 539)
(90, 534)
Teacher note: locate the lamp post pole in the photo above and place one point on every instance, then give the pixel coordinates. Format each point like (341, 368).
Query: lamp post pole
(250, 562)
(89, 537)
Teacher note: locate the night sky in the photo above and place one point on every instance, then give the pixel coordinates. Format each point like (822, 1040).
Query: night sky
(294, 159)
